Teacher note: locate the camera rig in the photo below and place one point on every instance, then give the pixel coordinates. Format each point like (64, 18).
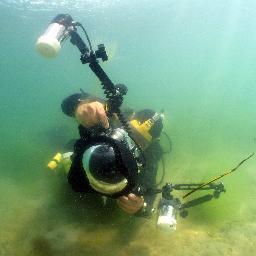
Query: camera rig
(180, 207)
(114, 102)
(62, 27)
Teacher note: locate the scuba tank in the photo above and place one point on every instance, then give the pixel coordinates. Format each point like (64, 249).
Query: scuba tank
(142, 130)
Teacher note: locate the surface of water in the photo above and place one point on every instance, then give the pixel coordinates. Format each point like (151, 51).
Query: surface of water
(194, 59)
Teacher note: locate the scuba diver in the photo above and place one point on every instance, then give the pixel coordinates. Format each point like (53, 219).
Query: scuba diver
(118, 152)
(102, 173)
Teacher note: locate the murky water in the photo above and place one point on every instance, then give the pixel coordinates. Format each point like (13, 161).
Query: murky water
(194, 59)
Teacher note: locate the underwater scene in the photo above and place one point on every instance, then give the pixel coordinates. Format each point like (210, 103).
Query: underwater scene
(193, 60)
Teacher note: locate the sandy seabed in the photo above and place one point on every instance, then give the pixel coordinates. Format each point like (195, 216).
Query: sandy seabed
(43, 225)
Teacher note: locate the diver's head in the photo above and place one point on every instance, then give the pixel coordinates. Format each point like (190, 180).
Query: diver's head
(146, 126)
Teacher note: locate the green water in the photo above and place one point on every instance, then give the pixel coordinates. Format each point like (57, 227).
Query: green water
(194, 58)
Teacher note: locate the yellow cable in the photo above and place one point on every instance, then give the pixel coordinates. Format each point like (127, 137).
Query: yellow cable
(206, 183)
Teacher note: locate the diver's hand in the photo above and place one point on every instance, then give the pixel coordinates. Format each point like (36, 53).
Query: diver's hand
(90, 114)
(130, 203)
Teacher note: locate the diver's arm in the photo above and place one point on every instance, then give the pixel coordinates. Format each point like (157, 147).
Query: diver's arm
(90, 114)
(130, 203)
(141, 206)
(88, 110)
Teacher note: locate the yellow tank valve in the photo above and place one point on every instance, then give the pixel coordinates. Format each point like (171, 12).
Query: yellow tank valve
(53, 164)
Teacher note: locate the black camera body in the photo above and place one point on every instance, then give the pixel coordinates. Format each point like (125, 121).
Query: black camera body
(105, 162)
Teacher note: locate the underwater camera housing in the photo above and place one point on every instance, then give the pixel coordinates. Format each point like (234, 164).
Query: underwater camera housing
(106, 161)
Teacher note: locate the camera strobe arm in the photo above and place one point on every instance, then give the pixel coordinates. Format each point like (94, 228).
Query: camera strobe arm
(115, 98)
(76, 40)
(113, 94)
(191, 186)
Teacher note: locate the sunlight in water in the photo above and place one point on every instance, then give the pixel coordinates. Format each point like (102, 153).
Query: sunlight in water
(52, 5)
(229, 30)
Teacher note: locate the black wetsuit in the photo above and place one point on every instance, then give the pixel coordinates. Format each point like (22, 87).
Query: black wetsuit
(147, 176)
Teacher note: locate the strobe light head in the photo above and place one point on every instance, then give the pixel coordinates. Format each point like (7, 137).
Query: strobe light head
(49, 43)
